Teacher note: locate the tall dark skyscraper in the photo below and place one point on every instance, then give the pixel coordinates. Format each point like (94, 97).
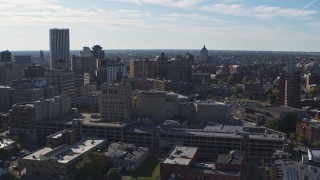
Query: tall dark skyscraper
(59, 48)
(289, 87)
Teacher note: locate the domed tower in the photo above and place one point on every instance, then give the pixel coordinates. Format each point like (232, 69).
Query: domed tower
(204, 54)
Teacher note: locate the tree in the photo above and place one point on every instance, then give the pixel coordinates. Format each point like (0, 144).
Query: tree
(293, 136)
(301, 139)
(113, 175)
(274, 124)
(93, 165)
(290, 123)
(316, 144)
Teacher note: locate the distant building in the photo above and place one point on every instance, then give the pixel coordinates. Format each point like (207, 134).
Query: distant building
(142, 69)
(86, 52)
(60, 161)
(81, 65)
(62, 78)
(9, 73)
(97, 52)
(312, 79)
(59, 48)
(34, 71)
(5, 56)
(115, 72)
(180, 68)
(23, 60)
(289, 87)
(204, 54)
(310, 129)
(126, 156)
(161, 67)
(116, 101)
(211, 110)
(155, 105)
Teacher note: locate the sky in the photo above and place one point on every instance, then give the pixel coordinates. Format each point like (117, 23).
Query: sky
(275, 25)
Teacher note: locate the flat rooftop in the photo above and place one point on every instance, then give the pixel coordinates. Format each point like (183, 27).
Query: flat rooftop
(181, 155)
(229, 159)
(85, 118)
(64, 153)
(279, 109)
(225, 129)
(125, 151)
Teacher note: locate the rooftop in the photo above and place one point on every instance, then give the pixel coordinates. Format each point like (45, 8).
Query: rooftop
(125, 151)
(64, 153)
(279, 109)
(181, 155)
(6, 142)
(229, 159)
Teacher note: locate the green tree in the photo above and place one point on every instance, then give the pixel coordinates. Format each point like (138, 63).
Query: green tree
(302, 139)
(316, 144)
(293, 136)
(230, 80)
(93, 165)
(113, 175)
(275, 124)
(290, 123)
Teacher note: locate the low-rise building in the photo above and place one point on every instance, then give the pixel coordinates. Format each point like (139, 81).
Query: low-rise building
(59, 161)
(310, 129)
(126, 156)
(183, 163)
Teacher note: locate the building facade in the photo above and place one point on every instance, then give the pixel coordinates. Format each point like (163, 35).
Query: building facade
(62, 78)
(59, 47)
(116, 101)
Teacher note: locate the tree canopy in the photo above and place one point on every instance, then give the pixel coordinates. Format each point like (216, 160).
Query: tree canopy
(93, 165)
(113, 175)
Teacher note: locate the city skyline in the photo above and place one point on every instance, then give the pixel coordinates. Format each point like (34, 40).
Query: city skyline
(164, 24)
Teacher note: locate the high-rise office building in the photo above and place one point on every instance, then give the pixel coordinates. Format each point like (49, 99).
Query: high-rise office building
(204, 54)
(289, 87)
(59, 48)
(142, 69)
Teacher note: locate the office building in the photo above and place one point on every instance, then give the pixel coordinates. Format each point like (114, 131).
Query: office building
(142, 69)
(180, 68)
(5, 56)
(9, 73)
(23, 116)
(162, 66)
(23, 60)
(155, 105)
(289, 87)
(86, 52)
(62, 78)
(116, 101)
(204, 54)
(115, 72)
(34, 71)
(82, 65)
(310, 129)
(59, 48)
(97, 52)
(59, 161)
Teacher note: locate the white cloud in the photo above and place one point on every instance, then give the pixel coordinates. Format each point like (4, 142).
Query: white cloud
(39, 12)
(168, 3)
(261, 12)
